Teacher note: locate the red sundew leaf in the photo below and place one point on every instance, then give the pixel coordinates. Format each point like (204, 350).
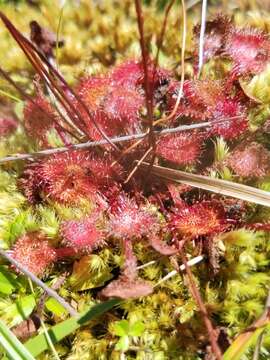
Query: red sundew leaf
(252, 160)
(161, 247)
(34, 252)
(115, 106)
(122, 106)
(66, 178)
(205, 218)
(82, 235)
(130, 74)
(228, 109)
(93, 90)
(124, 288)
(214, 37)
(104, 175)
(115, 100)
(130, 221)
(104, 122)
(39, 118)
(207, 99)
(249, 50)
(7, 126)
(182, 149)
(199, 98)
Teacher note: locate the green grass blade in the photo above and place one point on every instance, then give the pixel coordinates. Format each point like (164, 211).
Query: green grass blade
(39, 344)
(14, 348)
(10, 96)
(241, 344)
(58, 35)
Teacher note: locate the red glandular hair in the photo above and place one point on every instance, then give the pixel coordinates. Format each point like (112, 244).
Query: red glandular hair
(237, 122)
(204, 218)
(68, 177)
(129, 221)
(214, 39)
(208, 100)
(131, 74)
(116, 99)
(7, 126)
(93, 91)
(39, 118)
(115, 108)
(198, 100)
(182, 149)
(122, 106)
(82, 235)
(249, 50)
(252, 160)
(34, 252)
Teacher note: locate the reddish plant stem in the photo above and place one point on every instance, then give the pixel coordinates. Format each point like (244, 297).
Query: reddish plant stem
(148, 89)
(162, 33)
(145, 59)
(22, 41)
(65, 252)
(197, 297)
(161, 37)
(130, 265)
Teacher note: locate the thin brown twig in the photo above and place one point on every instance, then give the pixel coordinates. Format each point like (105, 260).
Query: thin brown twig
(118, 139)
(138, 164)
(197, 297)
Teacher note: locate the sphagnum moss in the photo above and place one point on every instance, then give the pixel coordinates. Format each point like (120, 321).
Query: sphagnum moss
(102, 40)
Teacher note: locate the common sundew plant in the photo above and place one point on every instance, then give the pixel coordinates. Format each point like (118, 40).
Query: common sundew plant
(135, 179)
